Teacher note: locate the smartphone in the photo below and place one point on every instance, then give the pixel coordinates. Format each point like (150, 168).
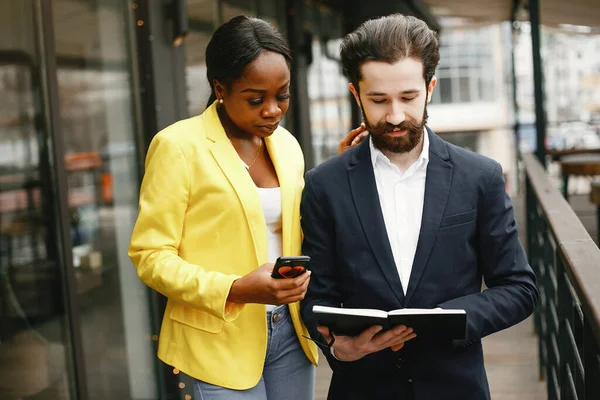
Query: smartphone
(290, 267)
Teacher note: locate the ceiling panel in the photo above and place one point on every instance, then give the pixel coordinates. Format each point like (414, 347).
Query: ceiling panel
(552, 12)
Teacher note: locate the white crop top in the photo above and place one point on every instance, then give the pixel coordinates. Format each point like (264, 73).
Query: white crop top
(270, 199)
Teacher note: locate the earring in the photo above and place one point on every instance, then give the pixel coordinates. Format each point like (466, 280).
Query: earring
(220, 101)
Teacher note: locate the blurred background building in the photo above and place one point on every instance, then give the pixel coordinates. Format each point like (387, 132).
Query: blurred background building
(86, 84)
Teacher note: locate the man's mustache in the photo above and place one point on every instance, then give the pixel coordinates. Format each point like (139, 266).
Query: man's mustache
(387, 127)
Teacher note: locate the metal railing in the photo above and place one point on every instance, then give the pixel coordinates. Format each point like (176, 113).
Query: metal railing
(567, 264)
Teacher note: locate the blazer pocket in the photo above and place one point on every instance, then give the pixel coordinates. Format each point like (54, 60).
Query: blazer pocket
(458, 219)
(196, 319)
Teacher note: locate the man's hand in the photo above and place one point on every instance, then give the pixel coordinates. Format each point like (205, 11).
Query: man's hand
(372, 340)
(259, 287)
(353, 138)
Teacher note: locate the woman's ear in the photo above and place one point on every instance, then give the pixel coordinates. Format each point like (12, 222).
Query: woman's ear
(219, 89)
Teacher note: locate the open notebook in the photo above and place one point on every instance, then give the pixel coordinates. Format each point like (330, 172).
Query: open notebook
(439, 323)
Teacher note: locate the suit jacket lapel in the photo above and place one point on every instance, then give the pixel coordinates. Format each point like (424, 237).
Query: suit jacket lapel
(437, 189)
(366, 199)
(231, 165)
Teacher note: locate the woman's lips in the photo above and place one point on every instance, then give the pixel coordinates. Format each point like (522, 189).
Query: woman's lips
(270, 127)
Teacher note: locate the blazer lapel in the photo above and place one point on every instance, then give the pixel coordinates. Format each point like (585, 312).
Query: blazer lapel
(231, 165)
(366, 199)
(287, 184)
(437, 189)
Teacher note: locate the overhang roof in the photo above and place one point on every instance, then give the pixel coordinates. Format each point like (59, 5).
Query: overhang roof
(552, 12)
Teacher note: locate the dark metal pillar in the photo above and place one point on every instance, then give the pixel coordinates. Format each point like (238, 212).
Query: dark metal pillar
(516, 124)
(161, 68)
(538, 80)
(48, 85)
(300, 42)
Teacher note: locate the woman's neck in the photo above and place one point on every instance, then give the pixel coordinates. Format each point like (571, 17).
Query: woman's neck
(231, 129)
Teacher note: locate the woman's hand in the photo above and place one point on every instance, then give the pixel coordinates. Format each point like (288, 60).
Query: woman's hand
(259, 287)
(353, 138)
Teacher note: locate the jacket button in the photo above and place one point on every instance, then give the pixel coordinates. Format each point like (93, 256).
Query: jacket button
(399, 363)
(275, 317)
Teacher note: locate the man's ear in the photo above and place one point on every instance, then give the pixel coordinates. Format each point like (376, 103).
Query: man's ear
(354, 91)
(430, 89)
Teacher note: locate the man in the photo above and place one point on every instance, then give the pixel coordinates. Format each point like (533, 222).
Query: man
(406, 220)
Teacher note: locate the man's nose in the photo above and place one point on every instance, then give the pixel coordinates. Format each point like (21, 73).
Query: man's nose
(396, 114)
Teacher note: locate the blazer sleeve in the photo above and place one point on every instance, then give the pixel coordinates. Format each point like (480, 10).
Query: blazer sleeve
(156, 237)
(318, 243)
(511, 294)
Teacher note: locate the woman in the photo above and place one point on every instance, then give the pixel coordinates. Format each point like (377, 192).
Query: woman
(219, 203)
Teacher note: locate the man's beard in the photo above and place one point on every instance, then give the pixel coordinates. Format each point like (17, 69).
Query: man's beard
(399, 144)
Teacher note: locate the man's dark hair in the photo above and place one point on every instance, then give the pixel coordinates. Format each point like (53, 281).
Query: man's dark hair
(390, 39)
(236, 44)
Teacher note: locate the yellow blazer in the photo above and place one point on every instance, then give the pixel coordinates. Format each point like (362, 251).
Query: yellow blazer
(200, 227)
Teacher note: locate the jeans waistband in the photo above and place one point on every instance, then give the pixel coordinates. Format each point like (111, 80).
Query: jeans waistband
(282, 312)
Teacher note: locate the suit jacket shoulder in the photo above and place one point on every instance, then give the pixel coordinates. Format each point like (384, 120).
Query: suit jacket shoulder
(336, 165)
(474, 166)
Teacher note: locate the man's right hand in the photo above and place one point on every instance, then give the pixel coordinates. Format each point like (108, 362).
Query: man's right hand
(259, 287)
(372, 340)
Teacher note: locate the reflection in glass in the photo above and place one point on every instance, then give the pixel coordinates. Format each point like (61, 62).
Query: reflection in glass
(201, 16)
(34, 344)
(198, 89)
(329, 101)
(98, 132)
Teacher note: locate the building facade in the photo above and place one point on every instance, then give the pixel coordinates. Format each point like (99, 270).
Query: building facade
(471, 103)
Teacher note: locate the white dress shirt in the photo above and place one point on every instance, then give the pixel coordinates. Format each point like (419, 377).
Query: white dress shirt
(401, 196)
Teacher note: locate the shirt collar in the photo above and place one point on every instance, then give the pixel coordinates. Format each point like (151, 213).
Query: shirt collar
(423, 157)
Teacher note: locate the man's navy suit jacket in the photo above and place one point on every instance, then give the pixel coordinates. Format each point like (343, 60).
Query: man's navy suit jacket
(468, 232)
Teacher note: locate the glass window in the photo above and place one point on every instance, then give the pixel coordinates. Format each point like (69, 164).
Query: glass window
(464, 89)
(205, 16)
(198, 89)
(445, 89)
(466, 60)
(35, 359)
(202, 16)
(329, 97)
(467, 140)
(98, 131)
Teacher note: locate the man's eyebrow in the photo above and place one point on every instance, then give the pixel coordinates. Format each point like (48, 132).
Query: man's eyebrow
(252, 90)
(408, 91)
